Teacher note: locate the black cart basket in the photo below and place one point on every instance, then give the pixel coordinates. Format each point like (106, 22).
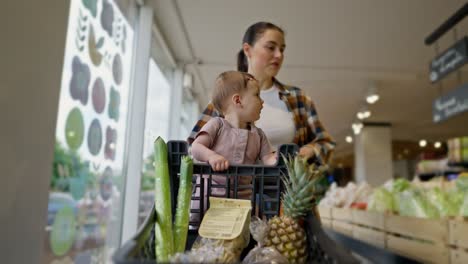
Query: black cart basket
(266, 186)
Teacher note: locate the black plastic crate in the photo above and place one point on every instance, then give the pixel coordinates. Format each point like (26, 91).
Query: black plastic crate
(266, 187)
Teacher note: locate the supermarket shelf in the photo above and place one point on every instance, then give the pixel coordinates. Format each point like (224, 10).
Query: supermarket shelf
(458, 164)
(428, 176)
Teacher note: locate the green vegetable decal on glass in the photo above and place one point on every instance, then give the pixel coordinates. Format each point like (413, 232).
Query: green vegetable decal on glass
(95, 137)
(105, 184)
(91, 5)
(94, 47)
(74, 129)
(81, 31)
(114, 104)
(117, 69)
(63, 231)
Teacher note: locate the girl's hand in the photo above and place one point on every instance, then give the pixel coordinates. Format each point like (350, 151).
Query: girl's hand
(218, 162)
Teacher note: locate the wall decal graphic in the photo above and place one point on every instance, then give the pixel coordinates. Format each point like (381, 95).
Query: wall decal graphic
(95, 137)
(80, 80)
(107, 17)
(117, 69)
(91, 5)
(74, 129)
(93, 47)
(81, 31)
(99, 95)
(111, 139)
(114, 104)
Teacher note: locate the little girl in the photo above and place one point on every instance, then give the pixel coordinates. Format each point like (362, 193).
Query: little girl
(234, 139)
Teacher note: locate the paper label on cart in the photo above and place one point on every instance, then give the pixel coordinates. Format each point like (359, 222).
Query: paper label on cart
(226, 218)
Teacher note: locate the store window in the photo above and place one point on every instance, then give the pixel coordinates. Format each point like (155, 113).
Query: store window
(87, 183)
(156, 124)
(189, 115)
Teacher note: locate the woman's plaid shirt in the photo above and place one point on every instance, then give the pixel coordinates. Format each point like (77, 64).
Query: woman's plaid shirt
(309, 129)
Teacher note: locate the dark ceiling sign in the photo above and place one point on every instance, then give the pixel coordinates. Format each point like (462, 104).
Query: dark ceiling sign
(450, 60)
(453, 103)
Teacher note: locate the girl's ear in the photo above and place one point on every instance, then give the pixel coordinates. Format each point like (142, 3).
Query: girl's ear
(246, 47)
(236, 99)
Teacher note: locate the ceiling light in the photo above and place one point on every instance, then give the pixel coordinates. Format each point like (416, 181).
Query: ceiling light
(363, 114)
(422, 143)
(357, 127)
(371, 99)
(187, 81)
(437, 144)
(372, 94)
(349, 139)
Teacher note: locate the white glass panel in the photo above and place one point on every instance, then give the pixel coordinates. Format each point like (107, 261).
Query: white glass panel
(85, 200)
(156, 124)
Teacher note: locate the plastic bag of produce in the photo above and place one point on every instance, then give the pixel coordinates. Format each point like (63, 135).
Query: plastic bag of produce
(413, 202)
(259, 255)
(381, 201)
(207, 254)
(225, 225)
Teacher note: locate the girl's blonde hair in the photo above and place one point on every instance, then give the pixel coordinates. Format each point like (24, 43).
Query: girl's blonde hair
(227, 84)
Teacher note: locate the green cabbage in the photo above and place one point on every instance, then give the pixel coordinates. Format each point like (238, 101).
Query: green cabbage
(413, 202)
(464, 205)
(381, 200)
(400, 185)
(462, 184)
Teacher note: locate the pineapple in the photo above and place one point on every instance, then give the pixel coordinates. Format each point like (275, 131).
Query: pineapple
(285, 233)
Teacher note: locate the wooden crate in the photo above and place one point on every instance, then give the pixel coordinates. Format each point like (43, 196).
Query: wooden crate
(372, 236)
(342, 214)
(342, 227)
(324, 212)
(458, 233)
(366, 218)
(426, 252)
(458, 256)
(435, 230)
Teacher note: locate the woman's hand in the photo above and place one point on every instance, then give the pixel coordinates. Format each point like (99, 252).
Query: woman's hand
(307, 152)
(218, 162)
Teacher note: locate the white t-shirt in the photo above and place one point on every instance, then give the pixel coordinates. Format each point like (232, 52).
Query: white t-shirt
(275, 119)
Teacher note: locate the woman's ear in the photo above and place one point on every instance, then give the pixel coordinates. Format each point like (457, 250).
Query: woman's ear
(246, 48)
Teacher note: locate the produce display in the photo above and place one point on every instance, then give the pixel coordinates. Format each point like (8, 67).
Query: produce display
(433, 199)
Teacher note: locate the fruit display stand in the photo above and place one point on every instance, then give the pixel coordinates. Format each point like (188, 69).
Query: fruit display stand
(426, 240)
(458, 240)
(369, 227)
(421, 239)
(265, 179)
(341, 220)
(325, 216)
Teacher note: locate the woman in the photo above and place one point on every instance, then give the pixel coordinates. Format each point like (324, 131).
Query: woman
(288, 116)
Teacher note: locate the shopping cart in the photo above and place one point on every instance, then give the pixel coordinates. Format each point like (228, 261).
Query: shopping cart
(267, 187)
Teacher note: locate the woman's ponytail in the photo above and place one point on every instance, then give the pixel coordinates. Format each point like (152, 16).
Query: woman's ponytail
(242, 64)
